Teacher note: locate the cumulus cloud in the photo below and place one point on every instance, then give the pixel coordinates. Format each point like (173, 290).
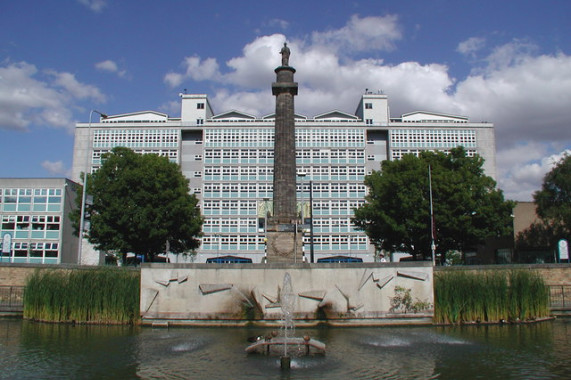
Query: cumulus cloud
(56, 168)
(525, 94)
(362, 34)
(110, 67)
(94, 5)
(75, 88)
(28, 96)
(529, 165)
(195, 69)
(259, 56)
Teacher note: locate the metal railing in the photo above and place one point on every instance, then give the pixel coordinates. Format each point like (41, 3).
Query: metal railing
(11, 298)
(560, 296)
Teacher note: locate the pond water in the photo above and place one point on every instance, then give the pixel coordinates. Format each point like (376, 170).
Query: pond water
(43, 351)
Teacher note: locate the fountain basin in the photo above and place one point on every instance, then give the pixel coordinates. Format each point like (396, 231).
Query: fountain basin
(294, 346)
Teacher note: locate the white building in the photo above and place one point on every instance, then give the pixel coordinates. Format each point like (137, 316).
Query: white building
(228, 158)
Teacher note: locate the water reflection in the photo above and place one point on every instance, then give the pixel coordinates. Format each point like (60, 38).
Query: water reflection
(30, 350)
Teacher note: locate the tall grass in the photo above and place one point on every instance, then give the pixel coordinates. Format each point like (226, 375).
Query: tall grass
(83, 296)
(489, 296)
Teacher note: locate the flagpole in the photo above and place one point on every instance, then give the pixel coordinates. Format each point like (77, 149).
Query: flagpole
(432, 243)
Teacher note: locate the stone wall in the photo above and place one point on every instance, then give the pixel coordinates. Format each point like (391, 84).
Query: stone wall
(234, 294)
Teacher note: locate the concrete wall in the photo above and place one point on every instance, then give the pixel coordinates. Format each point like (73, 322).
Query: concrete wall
(344, 294)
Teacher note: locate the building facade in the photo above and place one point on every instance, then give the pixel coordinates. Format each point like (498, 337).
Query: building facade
(228, 159)
(35, 225)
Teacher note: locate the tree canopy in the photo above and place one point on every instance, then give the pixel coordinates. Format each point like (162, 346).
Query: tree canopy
(553, 206)
(141, 204)
(467, 207)
(554, 199)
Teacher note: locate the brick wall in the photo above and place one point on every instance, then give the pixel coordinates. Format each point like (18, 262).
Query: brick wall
(17, 274)
(553, 274)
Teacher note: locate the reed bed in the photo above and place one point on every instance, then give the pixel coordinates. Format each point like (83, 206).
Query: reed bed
(105, 296)
(489, 297)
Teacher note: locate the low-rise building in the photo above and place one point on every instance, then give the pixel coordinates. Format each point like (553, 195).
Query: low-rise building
(35, 224)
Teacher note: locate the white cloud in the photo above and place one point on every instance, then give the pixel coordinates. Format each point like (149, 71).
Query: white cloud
(111, 67)
(77, 89)
(526, 95)
(195, 69)
(56, 168)
(471, 46)
(28, 96)
(530, 164)
(361, 34)
(94, 5)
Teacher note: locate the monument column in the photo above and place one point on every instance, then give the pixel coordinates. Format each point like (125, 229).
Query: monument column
(284, 241)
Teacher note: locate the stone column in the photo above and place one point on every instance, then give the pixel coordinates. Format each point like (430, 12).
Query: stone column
(284, 239)
(284, 89)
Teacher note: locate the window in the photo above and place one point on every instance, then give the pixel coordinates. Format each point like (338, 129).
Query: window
(368, 106)
(199, 106)
(199, 121)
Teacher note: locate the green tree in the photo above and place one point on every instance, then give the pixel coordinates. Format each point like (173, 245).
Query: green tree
(467, 207)
(553, 206)
(538, 235)
(141, 204)
(554, 199)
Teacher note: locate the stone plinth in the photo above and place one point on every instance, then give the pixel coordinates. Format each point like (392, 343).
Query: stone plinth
(284, 244)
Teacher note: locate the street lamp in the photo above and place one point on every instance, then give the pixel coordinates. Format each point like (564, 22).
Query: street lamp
(311, 221)
(302, 176)
(432, 237)
(84, 192)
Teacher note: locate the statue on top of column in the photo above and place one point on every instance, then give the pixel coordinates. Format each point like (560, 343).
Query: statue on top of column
(285, 52)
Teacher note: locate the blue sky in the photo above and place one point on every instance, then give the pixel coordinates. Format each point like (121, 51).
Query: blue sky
(508, 62)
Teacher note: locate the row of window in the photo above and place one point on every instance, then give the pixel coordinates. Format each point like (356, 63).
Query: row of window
(267, 155)
(253, 187)
(172, 154)
(432, 138)
(26, 199)
(28, 192)
(326, 170)
(221, 243)
(398, 153)
(34, 222)
(34, 252)
(265, 137)
(135, 138)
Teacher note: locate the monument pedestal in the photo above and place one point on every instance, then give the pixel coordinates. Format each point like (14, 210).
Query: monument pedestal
(284, 243)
